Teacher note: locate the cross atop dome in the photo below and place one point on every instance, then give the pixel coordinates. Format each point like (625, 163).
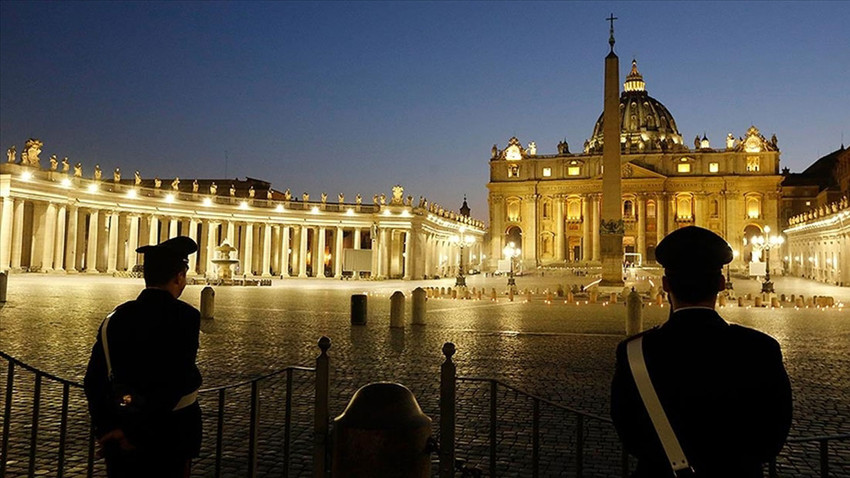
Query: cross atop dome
(611, 38)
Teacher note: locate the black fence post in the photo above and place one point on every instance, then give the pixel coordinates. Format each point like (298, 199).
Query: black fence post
(320, 418)
(447, 412)
(7, 417)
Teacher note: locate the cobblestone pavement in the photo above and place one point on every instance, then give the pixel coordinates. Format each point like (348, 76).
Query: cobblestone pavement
(560, 352)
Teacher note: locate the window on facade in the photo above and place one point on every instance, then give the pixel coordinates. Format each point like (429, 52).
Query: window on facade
(513, 210)
(684, 167)
(513, 171)
(628, 208)
(574, 170)
(715, 208)
(547, 172)
(753, 207)
(574, 208)
(547, 209)
(752, 163)
(713, 167)
(683, 207)
(650, 209)
(547, 244)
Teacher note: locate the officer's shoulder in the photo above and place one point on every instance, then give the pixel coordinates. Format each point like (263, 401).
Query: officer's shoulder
(187, 309)
(752, 336)
(645, 333)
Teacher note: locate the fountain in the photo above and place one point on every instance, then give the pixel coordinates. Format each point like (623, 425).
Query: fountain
(223, 262)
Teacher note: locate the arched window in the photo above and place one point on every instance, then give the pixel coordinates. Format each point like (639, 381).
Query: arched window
(513, 209)
(753, 203)
(684, 209)
(650, 209)
(628, 208)
(574, 208)
(715, 208)
(547, 209)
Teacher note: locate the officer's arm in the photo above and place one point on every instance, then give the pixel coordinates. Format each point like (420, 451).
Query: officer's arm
(97, 388)
(624, 399)
(777, 403)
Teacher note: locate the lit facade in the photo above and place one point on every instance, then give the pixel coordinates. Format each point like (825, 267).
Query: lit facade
(550, 204)
(54, 220)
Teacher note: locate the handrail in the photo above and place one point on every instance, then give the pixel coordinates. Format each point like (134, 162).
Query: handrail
(40, 372)
(537, 397)
(840, 436)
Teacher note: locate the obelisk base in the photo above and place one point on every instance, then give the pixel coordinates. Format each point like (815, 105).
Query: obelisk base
(612, 260)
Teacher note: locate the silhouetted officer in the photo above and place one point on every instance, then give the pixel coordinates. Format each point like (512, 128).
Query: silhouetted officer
(723, 387)
(146, 416)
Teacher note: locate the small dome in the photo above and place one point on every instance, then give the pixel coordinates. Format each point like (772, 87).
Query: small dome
(646, 124)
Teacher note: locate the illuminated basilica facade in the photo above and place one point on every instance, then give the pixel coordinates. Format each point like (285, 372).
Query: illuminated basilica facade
(549, 204)
(52, 219)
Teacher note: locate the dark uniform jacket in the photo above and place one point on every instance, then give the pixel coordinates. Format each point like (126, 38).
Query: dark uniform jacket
(724, 389)
(153, 345)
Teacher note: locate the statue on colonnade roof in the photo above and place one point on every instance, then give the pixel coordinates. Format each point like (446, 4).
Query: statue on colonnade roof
(32, 148)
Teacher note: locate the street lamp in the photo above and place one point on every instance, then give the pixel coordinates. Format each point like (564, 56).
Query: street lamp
(765, 243)
(462, 241)
(511, 252)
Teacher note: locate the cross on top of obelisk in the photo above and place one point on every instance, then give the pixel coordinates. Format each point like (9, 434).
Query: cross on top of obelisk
(611, 39)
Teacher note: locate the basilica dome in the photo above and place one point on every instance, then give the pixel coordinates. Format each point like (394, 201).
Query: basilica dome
(646, 124)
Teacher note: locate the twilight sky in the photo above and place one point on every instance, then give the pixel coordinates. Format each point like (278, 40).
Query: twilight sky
(356, 97)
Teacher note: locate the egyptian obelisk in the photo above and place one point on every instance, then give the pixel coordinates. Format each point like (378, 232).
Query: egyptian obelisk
(611, 225)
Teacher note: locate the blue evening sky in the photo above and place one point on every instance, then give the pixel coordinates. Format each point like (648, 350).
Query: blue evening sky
(356, 97)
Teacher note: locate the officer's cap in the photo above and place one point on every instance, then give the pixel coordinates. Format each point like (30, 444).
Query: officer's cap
(167, 253)
(693, 249)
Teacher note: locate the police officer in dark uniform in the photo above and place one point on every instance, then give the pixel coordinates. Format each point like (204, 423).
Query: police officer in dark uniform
(723, 387)
(145, 413)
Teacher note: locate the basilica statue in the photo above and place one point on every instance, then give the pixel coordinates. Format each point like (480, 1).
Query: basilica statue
(157, 183)
(324, 198)
(137, 178)
(65, 165)
(53, 162)
(195, 186)
(532, 149)
(116, 175)
(269, 194)
(494, 152)
(213, 189)
(98, 174)
(32, 148)
(78, 170)
(287, 195)
(251, 192)
(11, 153)
(358, 199)
(232, 190)
(305, 197)
(341, 198)
(175, 184)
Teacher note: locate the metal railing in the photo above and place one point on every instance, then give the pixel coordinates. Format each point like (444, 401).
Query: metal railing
(320, 417)
(822, 442)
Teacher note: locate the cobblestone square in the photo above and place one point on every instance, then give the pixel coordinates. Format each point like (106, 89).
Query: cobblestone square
(560, 352)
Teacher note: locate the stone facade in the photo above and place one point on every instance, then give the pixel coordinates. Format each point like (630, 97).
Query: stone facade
(551, 204)
(55, 221)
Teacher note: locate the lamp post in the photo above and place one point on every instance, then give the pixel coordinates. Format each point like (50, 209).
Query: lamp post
(765, 243)
(462, 240)
(511, 252)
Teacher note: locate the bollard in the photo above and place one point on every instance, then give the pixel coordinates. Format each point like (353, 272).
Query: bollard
(798, 302)
(782, 297)
(479, 294)
(528, 295)
(757, 302)
(634, 321)
(397, 309)
(570, 297)
(548, 296)
(207, 303)
(721, 300)
(740, 301)
(382, 432)
(454, 293)
(419, 300)
(774, 302)
(442, 291)
(511, 294)
(493, 294)
(613, 298)
(560, 290)
(4, 282)
(810, 302)
(594, 296)
(358, 309)
(659, 299)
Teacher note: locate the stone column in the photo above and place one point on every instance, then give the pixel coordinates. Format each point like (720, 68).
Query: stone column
(212, 229)
(71, 242)
(408, 254)
(559, 228)
(59, 241)
(338, 253)
(48, 238)
(153, 233)
(6, 233)
(193, 258)
(267, 250)
(660, 218)
(248, 265)
(641, 226)
(17, 235)
(285, 256)
(231, 233)
(319, 262)
(172, 228)
(586, 236)
(112, 247)
(701, 218)
(302, 253)
(383, 247)
(594, 211)
(133, 243)
(91, 250)
(357, 233)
